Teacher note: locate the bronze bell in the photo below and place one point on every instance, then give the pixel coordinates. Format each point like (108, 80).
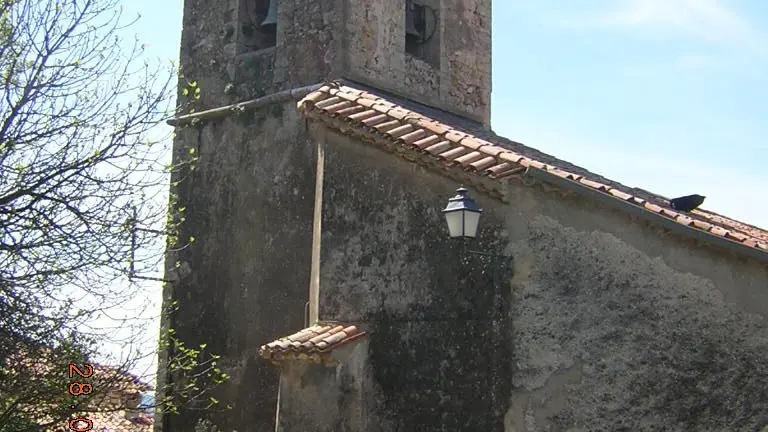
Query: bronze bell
(413, 14)
(271, 18)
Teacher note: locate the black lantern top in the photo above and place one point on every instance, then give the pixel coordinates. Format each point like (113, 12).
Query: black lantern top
(462, 215)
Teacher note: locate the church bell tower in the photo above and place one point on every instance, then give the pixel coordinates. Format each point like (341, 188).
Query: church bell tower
(246, 164)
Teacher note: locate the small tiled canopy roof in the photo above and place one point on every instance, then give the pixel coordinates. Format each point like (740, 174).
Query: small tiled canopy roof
(313, 343)
(464, 149)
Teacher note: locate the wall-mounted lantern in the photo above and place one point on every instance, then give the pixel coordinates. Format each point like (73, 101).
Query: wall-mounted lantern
(462, 215)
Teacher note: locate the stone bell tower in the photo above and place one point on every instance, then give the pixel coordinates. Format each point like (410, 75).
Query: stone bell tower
(247, 193)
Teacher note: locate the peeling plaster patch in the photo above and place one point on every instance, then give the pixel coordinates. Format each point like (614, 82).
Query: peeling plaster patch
(529, 410)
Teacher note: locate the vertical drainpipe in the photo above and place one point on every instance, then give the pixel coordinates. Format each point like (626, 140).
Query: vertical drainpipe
(314, 283)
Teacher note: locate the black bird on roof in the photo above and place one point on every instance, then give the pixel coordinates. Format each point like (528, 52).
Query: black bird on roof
(687, 203)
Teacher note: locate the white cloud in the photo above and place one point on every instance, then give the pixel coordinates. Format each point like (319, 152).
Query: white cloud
(709, 20)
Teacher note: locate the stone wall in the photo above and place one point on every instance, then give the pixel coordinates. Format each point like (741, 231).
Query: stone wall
(458, 81)
(249, 206)
(249, 200)
(601, 323)
(354, 39)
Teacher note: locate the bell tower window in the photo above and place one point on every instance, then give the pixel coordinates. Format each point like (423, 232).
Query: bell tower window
(251, 25)
(421, 38)
(259, 28)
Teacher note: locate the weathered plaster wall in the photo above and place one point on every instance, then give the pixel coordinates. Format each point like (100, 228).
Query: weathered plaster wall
(249, 206)
(319, 398)
(439, 333)
(604, 324)
(620, 328)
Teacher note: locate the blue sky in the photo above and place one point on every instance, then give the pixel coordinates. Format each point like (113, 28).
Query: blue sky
(666, 95)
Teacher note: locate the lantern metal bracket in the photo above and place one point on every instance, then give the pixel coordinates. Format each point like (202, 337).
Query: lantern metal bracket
(465, 228)
(498, 264)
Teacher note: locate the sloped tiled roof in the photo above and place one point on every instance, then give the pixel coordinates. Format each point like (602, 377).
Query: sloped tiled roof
(113, 411)
(314, 343)
(115, 421)
(464, 149)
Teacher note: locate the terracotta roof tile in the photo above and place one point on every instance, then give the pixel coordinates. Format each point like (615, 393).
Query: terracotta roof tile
(411, 127)
(507, 173)
(511, 157)
(619, 194)
(398, 113)
(386, 126)
(376, 119)
(311, 343)
(492, 150)
(434, 127)
(428, 141)
(535, 164)
(351, 110)
(327, 102)
(400, 131)
(669, 213)
(594, 184)
(453, 153)
(499, 168)
(363, 115)
(313, 97)
(469, 158)
(348, 96)
(473, 143)
(560, 173)
(483, 163)
(735, 235)
(717, 230)
(368, 103)
(683, 219)
(338, 106)
(347, 90)
(706, 226)
(413, 136)
(382, 106)
(439, 147)
(455, 136)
